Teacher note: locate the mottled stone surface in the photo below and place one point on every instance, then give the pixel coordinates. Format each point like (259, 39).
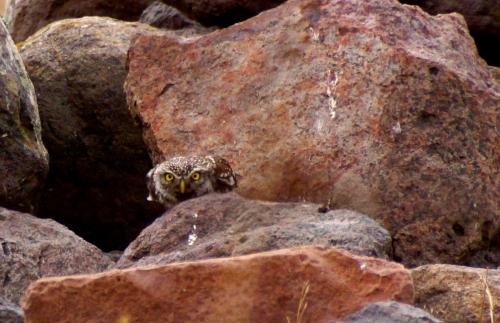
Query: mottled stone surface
(31, 248)
(264, 287)
(375, 106)
(163, 16)
(458, 294)
(10, 313)
(483, 20)
(25, 17)
(222, 12)
(390, 312)
(23, 158)
(98, 160)
(221, 225)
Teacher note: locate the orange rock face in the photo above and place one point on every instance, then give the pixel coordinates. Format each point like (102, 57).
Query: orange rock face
(265, 287)
(375, 106)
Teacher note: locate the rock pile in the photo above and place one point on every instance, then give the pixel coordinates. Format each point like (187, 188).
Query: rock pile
(364, 136)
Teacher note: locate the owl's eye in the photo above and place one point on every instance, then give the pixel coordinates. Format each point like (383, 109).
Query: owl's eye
(169, 177)
(196, 176)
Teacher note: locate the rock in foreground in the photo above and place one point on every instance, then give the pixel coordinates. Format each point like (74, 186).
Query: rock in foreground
(31, 248)
(222, 225)
(265, 287)
(10, 313)
(458, 294)
(373, 105)
(98, 160)
(23, 158)
(390, 312)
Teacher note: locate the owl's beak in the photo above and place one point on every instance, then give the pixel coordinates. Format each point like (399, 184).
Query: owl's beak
(182, 186)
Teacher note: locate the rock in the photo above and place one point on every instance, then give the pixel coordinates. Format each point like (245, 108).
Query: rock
(31, 248)
(264, 287)
(483, 20)
(390, 312)
(96, 185)
(160, 15)
(23, 160)
(373, 105)
(10, 313)
(25, 17)
(456, 293)
(222, 12)
(221, 225)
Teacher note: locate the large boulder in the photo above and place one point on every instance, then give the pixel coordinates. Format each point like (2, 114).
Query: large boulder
(23, 159)
(390, 312)
(371, 105)
(222, 12)
(320, 283)
(96, 185)
(221, 225)
(458, 294)
(483, 20)
(31, 248)
(25, 17)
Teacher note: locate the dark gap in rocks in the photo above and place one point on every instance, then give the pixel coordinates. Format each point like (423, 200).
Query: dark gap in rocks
(458, 229)
(486, 233)
(488, 46)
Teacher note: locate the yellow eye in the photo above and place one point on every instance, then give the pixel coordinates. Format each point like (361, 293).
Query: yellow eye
(169, 177)
(196, 176)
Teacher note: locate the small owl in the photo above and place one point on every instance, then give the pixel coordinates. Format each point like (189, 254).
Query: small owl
(182, 178)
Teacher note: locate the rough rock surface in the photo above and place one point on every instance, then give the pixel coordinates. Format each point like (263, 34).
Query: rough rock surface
(10, 313)
(457, 294)
(373, 105)
(390, 312)
(222, 12)
(25, 17)
(221, 225)
(264, 287)
(98, 159)
(23, 158)
(31, 248)
(163, 16)
(483, 20)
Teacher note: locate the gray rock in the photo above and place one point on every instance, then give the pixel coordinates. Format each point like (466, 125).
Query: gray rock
(163, 16)
(220, 225)
(10, 313)
(390, 312)
(31, 248)
(23, 158)
(96, 185)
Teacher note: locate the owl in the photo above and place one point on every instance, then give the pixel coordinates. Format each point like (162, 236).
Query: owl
(182, 178)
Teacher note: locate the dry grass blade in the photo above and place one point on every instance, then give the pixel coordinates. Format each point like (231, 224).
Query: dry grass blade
(491, 302)
(302, 304)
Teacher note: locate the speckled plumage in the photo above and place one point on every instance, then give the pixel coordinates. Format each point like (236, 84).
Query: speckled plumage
(175, 180)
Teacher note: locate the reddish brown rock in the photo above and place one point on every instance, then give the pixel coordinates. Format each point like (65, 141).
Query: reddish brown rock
(458, 294)
(483, 20)
(221, 225)
(265, 287)
(31, 248)
(98, 160)
(25, 17)
(222, 12)
(23, 157)
(375, 106)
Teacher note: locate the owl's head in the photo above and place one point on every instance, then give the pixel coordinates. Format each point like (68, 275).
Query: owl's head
(182, 178)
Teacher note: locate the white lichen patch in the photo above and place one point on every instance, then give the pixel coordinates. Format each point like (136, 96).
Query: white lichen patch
(397, 128)
(331, 83)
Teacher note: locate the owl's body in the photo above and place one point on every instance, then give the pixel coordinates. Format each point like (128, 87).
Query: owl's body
(182, 178)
